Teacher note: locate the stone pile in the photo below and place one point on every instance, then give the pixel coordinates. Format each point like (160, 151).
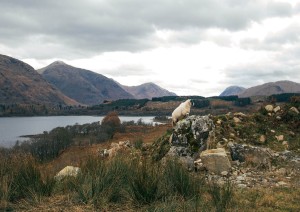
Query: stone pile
(243, 165)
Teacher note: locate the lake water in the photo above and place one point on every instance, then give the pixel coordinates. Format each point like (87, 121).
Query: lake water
(11, 128)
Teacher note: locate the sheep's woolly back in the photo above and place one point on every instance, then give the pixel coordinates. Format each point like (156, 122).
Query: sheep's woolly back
(181, 111)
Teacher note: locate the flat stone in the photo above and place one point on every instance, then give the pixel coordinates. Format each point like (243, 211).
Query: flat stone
(215, 160)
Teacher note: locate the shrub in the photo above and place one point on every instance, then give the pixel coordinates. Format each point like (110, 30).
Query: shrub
(20, 178)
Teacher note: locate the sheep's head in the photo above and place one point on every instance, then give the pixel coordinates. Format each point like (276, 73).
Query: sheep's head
(189, 103)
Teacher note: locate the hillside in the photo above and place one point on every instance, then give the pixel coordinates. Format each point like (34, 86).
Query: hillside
(270, 88)
(232, 90)
(84, 86)
(252, 164)
(21, 84)
(147, 91)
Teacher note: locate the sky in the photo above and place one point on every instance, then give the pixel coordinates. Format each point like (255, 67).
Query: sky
(190, 47)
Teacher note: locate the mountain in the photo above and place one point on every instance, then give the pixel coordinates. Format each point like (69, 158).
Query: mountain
(83, 85)
(270, 88)
(147, 91)
(20, 83)
(232, 90)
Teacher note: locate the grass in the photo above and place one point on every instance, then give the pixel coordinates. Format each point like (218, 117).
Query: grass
(131, 184)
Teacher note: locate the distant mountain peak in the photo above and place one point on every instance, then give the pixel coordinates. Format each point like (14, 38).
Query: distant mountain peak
(83, 85)
(147, 90)
(58, 62)
(232, 90)
(270, 88)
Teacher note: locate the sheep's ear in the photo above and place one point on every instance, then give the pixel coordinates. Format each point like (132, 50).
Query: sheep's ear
(192, 102)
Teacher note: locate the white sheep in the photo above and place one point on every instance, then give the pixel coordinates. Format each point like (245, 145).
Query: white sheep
(182, 111)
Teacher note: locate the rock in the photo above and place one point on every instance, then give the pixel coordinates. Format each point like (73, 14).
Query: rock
(295, 110)
(104, 153)
(282, 171)
(240, 178)
(276, 109)
(281, 183)
(269, 108)
(179, 151)
(194, 132)
(183, 154)
(278, 117)
(224, 173)
(219, 122)
(255, 156)
(262, 139)
(215, 160)
(272, 131)
(236, 120)
(117, 147)
(240, 114)
(67, 171)
(241, 185)
(285, 144)
(279, 137)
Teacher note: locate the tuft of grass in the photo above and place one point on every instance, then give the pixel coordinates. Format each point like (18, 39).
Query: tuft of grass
(101, 182)
(138, 144)
(222, 195)
(144, 183)
(180, 181)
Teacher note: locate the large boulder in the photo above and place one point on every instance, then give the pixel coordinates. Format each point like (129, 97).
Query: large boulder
(215, 160)
(194, 132)
(67, 171)
(190, 136)
(251, 155)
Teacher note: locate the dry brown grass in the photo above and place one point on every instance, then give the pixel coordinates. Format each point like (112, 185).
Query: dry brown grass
(73, 156)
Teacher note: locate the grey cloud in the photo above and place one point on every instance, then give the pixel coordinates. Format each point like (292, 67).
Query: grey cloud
(128, 70)
(253, 74)
(76, 28)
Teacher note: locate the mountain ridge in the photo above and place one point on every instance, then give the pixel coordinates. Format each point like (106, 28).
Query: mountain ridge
(232, 90)
(83, 85)
(270, 88)
(20, 83)
(147, 91)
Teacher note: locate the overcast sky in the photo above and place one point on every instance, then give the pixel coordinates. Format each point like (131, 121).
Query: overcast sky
(190, 47)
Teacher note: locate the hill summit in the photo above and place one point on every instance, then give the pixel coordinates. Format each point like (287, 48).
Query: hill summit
(21, 84)
(147, 91)
(271, 88)
(84, 86)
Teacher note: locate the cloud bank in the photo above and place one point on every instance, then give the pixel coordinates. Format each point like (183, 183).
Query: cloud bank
(194, 47)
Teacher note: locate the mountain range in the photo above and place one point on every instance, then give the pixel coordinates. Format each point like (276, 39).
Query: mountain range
(60, 83)
(265, 89)
(20, 83)
(147, 91)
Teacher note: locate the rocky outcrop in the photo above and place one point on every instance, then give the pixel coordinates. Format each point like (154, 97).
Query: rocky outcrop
(194, 133)
(190, 137)
(115, 148)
